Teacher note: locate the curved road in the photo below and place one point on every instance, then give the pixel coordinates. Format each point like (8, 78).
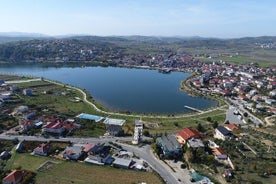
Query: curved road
(144, 152)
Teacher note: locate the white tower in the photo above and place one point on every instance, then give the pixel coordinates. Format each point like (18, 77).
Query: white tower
(138, 132)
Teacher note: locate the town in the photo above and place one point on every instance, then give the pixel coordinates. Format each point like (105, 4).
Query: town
(239, 149)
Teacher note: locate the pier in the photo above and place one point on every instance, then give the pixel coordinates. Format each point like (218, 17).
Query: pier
(194, 109)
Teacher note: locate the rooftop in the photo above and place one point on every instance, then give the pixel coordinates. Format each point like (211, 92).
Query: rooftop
(188, 133)
(169, 142)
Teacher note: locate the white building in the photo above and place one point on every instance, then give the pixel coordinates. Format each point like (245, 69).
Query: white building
(138, 132)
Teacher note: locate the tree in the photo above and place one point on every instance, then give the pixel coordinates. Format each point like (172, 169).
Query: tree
(245, 114)
(215, 124)
(200, 128)
(209, 119)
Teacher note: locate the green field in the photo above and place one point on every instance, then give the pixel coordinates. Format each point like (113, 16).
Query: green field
(64, 172)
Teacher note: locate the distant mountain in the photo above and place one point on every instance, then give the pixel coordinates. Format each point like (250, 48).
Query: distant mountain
(6, 37)
(22, 34)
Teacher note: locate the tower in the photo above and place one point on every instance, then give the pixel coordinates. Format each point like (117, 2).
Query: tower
(138, 132)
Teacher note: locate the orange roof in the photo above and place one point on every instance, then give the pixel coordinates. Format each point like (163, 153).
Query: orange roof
(14, 176)
(218, 151)
(232, 127)
(188, 133)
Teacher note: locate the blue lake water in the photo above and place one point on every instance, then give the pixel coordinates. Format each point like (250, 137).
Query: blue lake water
(122, 89)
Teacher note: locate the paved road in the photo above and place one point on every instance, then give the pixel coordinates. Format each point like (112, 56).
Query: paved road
(144, 152)
(231, 117)
(240, 107)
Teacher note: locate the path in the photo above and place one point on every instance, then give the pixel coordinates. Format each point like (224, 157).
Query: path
(116, 113)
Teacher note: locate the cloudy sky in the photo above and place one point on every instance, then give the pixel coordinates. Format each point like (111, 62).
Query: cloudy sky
(207, 18)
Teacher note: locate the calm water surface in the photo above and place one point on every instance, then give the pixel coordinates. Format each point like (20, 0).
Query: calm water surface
(122, 89)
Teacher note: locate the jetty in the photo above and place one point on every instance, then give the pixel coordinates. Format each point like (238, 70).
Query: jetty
(194, 109)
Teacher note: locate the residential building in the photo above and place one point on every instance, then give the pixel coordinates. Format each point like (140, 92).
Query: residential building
(88, 147)
(169, 145)
(231, 127)
(28, 92)
(14, 177)
(222, 133)
(42, 150)
(73, 152)
(187, 133)
(27, 125)
(195, 143)
(54, 127)
(122, 163)
(5, 155)
(114, 130)
(219, 154)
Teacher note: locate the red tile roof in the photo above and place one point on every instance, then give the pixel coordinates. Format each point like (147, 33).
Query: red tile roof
(88, 147)
(14, 176)
(43, 148)
(218, 151)
(188, 133)
(232, 126)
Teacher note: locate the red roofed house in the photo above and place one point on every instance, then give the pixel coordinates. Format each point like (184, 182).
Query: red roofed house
(54, 127)
(42, 149)
(88, 147)
(187, 133)
(232, 127)
(219, 154)
(14, 177)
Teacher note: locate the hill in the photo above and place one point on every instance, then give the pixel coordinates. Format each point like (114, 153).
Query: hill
(95, 48)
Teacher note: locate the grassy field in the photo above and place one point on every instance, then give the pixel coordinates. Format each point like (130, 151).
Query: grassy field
(58, 103)
(64, 172)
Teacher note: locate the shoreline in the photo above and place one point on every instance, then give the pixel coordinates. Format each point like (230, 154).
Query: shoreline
(85, 96)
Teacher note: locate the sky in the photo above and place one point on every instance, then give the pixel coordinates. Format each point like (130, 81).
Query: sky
(206, 18)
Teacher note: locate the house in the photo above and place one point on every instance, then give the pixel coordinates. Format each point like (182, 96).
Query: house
(100, 149)
(187, 133)
(222, 133)
(219, 154)
(122, 163)
(5, 155)
(169, 145)
(70, 126)
(14, 177)
(73, 152)
(114, 130)
(28, 92)
(27, 125)
(42, 150)
(195, 143)
(231, 127)
(19, 147)
(29, 115)
(53, 127)
(88, 147)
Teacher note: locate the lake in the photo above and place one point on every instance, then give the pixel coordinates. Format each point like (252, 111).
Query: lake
(122, 89)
